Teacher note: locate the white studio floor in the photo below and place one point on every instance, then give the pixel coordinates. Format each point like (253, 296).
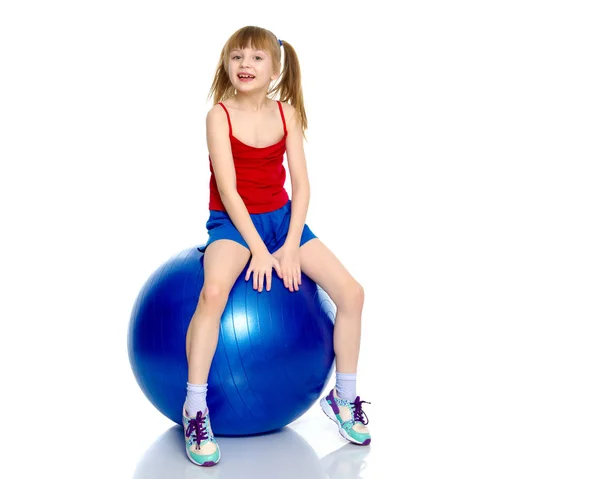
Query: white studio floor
(477, 430)
(308, 448)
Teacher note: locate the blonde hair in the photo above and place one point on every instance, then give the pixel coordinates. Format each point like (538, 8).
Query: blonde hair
(289, 87)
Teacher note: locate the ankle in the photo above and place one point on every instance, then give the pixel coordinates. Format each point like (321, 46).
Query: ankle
(345, 385)
(196, 399)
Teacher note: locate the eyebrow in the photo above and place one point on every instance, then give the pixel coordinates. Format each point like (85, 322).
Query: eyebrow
(239, 50)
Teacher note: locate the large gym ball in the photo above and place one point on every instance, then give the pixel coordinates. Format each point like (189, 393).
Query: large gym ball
(274, 354)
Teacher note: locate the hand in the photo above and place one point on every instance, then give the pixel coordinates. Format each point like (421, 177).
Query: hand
(262, 265)
(289, 259)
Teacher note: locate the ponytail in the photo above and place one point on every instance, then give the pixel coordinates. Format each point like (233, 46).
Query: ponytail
(290, 85)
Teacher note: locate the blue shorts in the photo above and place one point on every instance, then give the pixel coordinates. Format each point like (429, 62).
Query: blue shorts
(272, 228)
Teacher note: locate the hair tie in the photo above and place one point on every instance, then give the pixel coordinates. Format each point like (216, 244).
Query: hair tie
(280, 43)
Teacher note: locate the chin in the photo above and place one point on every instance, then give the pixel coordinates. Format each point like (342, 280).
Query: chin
(248, 89)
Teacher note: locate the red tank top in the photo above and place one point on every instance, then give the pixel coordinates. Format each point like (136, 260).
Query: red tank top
(260, 174)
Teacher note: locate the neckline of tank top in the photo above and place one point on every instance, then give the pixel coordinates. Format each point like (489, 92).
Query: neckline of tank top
(259, 147)
(232, 136)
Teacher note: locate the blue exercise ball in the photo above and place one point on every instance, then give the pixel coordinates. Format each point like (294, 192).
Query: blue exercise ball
(274, 355)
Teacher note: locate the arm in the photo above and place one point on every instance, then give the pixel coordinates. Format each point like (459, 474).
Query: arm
(289, 254)
(219, 148)
(298, 177)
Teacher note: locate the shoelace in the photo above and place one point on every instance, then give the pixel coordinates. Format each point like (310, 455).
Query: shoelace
(197, 426)
(359, 414)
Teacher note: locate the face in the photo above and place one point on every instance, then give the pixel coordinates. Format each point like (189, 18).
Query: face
(251, 69)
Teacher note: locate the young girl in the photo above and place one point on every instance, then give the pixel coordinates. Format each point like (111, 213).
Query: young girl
(252, 218)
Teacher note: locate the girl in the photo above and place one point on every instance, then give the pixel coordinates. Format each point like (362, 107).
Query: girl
(252, 218)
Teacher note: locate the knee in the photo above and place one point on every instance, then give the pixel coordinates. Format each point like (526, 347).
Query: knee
(213, 296)
(353, 297)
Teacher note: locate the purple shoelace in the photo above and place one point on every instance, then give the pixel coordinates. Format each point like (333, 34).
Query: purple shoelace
(359, 414)
(197, 426)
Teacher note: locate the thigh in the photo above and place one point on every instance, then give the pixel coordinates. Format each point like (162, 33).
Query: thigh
(220, 227)
(224, 260)
(325, 269)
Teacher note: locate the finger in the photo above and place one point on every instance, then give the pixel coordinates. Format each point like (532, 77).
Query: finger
(255, 280)
(299, 277)
(290, 282)
(261, 279)
(269, 280)
(295, 283)
(248, 273)
(278, 269)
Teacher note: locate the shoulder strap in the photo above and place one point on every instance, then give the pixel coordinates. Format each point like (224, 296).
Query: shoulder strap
(228, 119)
(282, 118)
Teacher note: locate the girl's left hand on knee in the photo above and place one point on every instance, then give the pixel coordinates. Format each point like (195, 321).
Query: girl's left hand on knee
(289, 260)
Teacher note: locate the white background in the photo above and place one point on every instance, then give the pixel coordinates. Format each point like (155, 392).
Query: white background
(453, 153)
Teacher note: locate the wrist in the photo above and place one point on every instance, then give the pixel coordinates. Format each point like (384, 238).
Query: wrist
(291, 244)
(259, 249)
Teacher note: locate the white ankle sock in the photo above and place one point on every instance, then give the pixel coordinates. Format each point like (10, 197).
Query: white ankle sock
(196, 398)
(345, 385)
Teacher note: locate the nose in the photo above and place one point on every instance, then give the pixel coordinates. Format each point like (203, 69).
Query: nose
(245, 61)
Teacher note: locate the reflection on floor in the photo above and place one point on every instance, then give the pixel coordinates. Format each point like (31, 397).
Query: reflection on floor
(282, 454)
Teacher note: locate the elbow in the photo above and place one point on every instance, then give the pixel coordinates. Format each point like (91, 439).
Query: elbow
(226, 187)
(301, 188)
(227, 193)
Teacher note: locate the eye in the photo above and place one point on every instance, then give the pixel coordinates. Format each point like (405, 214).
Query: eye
(260, 58)
(235, 57)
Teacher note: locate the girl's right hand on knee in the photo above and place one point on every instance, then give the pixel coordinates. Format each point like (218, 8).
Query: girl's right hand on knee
(262, 265)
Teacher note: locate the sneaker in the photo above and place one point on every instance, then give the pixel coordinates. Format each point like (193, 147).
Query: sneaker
(200, 444)
(351, 420)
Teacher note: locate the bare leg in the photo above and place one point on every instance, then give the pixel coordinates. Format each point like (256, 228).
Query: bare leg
(323, 267)
(224, 260)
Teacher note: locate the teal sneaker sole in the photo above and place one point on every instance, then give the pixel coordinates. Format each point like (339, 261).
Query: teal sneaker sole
(206, 463)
